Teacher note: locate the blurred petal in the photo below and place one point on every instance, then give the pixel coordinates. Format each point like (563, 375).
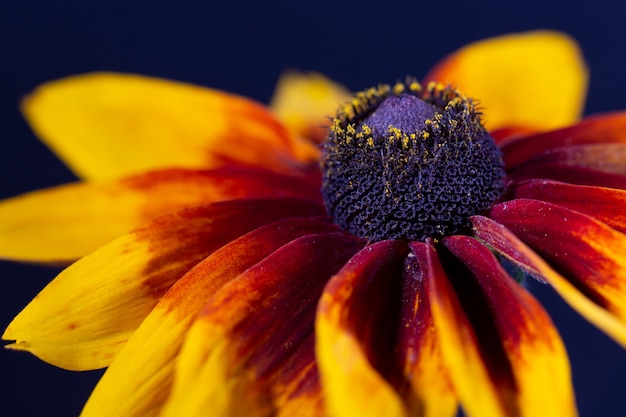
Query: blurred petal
(431, 393)
(61, 224)
(605, 204)
(605, 157)
(605, 128)
(507, 133)
(140, 378)
(86, 314)
(355, 337)
(536, 79)
(582, 292)
(306, 102)
(108, 125)
(252, 328)
(571, 174)
(537, 358)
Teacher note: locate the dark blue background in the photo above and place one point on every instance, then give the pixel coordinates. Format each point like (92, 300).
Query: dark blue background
(243, 47)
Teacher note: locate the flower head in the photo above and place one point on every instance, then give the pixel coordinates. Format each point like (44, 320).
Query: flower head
(409, 163)
(251, 272)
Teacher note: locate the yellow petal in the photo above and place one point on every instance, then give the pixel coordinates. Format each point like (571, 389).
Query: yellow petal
(349, 324)
(139, 380)
(306, 102)
(61, 224)
(536, 79)
(86, 314)
(195, 395)
(107, 125)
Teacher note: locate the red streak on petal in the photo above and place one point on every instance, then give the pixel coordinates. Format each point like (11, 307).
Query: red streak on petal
(482, 316)
(171, 186)
(416, 317)
(509, 304)
(424, 381)
(502, 240)
(261, 141)
(189, 295)
(271, 307)
(525, 355)
(367, 290)
(472, 366)
(180, 240)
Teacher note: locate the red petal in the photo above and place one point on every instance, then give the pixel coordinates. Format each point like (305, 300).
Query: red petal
(605, 157)
(533, 351)
(605, 204)
(429, 391)
(99, 301)
(607, 128)
(356, 333)
(504, 133)
(142, 372)
(503, 353)
(254, 327)
(591, 287)
(169, 189)
(571, 174)
(458, 341)
(198, 231)
(588, 252)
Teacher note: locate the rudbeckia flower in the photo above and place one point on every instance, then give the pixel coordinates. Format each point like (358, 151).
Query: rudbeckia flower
(251, 271)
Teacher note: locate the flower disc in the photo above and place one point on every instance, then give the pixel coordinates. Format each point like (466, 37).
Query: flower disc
(409, 163)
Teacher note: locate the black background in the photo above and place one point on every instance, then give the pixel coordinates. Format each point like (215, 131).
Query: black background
(243, 47)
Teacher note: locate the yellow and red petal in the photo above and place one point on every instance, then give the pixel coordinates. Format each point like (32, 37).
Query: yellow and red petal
(504, 354)
(253, 329)
(356, 335)
(602, 129)
(306, 102)
(85, 315)
(459, 343)
(139, 380)
(61, 224)
(109, 125)
(604, 204)
(426, 386)
(534, 79)
(589, 287)
(590, 254)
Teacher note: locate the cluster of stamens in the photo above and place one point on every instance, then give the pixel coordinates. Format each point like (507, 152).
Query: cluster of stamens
(408, 162)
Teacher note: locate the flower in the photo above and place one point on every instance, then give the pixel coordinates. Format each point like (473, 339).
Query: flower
(233, 286)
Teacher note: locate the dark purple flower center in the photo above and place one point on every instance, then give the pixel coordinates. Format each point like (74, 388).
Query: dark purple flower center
(407, 162)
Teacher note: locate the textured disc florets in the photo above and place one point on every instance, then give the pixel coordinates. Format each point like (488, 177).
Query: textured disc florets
(407, 162)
